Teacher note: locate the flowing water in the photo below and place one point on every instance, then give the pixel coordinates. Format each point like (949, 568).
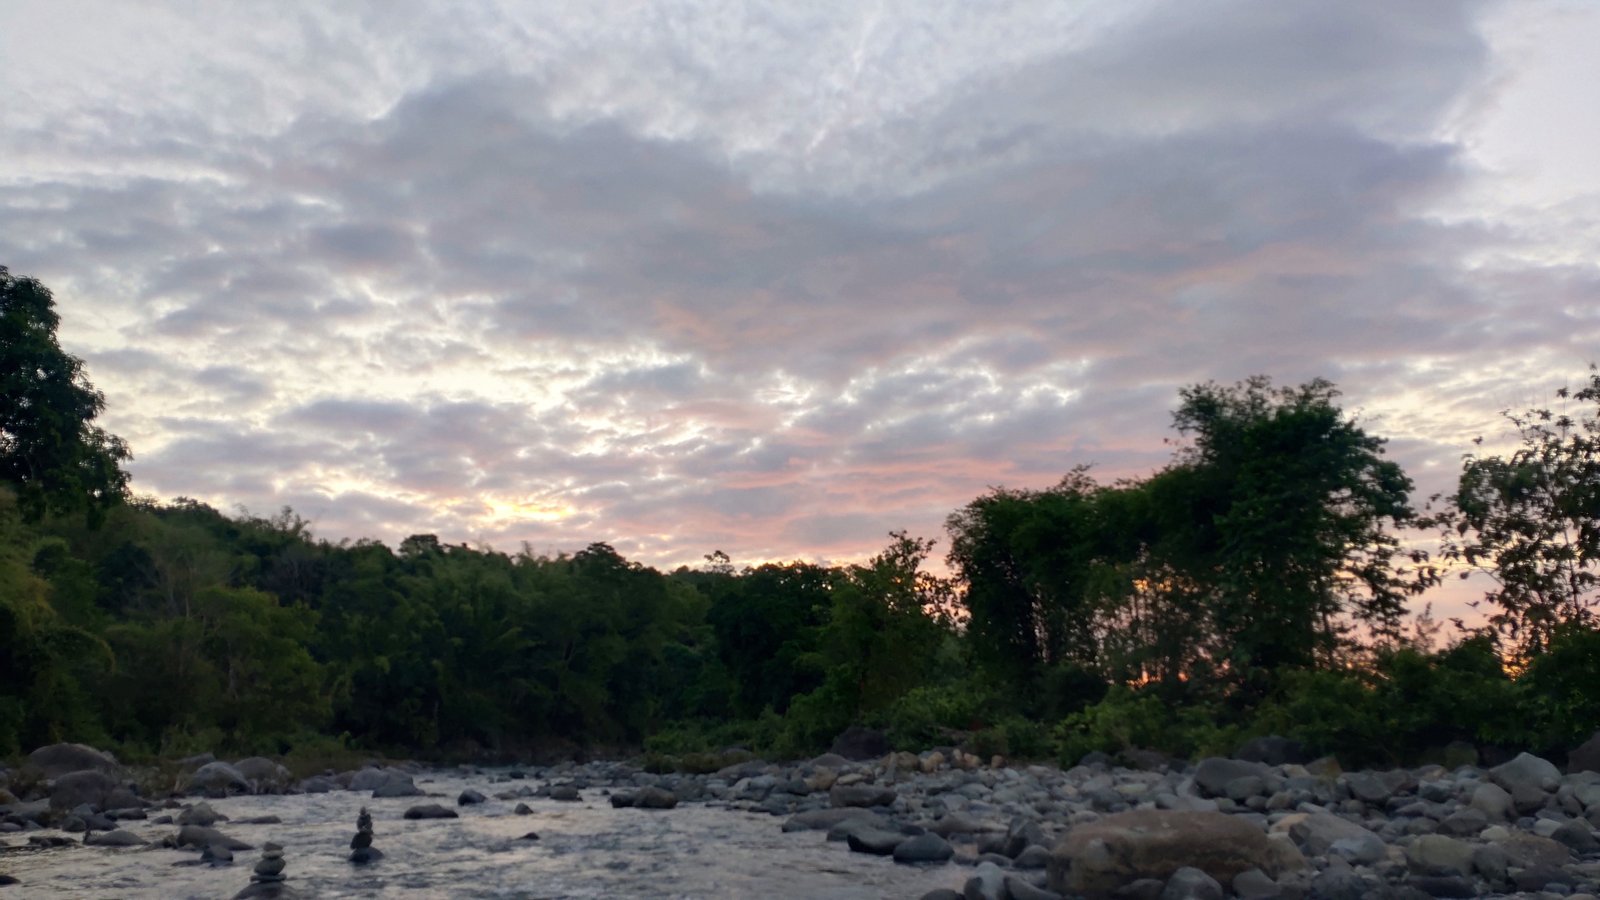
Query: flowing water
(585, 850)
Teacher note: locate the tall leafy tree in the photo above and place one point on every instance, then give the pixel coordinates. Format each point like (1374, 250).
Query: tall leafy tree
(1530, 520)
(51, 451)
(1289, 514)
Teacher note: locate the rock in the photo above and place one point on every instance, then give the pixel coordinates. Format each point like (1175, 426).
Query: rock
(264, 775)
(1576, 836)
(317, 784)
(926, 847)
(1191, 884)
(259, 820)
(372, 778)
(117, 838)
(1531, 851)
(522, 809)
(655, 798)
(1020, 835)
(1317, 833)
(1032, 857)
(217, 779)
(1493, 801)
(1528, 779)
(1098, 857)
(1254, 884)
(1213, 774)
(1443, 885)
(430, 811)
(621, 800)
(1273, 750)
(365, 855)
(216, 856)
(565, 793)
(201, 814)
(877, 841)
(469, 797)
(960, 823)
(530, 836)
(859, 743)
(395, 784)
(860, 795)
(56, 760)
(1464, 822)
(202, 837)
(825, 819)
(988, 882)
(1586, 756)
(90, 786)
(940, 894)
(1436, 854)
(1022, 889)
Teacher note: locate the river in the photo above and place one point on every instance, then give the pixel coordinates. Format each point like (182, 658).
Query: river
(585, 850)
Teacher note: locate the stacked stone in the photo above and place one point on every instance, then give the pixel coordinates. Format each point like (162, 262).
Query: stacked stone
(361, 849)
(268, 880)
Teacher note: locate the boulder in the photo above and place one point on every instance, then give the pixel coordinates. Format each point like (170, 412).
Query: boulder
(117, 838)
(1213, 774)
(372, 778)
(877, 841)
(654, 798)
(56, 760)
(860, 795)
(1318, 833)
(397, 784)
(1586, 756)
(1191, 884)
(1435, 854)
(201, 814)
(1528, 779)
(988, 882)
(825, 819)
(217, 779)
(203, 837)
(90, 786)
(469, 797)
(430, 811)
(1097, 858)
(922, 848)
(264, 775)
(1493, 801)
(860, 743)
(565, 793)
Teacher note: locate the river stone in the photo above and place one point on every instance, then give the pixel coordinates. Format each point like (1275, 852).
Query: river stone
(877, 841)
(1189, 883)
(824, 819)
(264, 775)
(1443, 885)
(1316, 833)
(1530, 850)
(1096, 858)
(1464, 822)
(941, 894)
(1586, 756)
(1493, 801)
(1018, 888)
(860, 795)
(960, 823)
(397, 784)
(523, 809)
(372, 778)
(1254, 884)
(56, 760)
(430, 811)
(202, 837)
(201, 814)
(988, 882)
(655, 798)
(1577, 836)
(117, 838)
(217, 779)
(1436, 854)
(76, 788)
(1528, 779)
(468, 797)
(1032, 857)
(1214, 773)
(317, 784)
(927, 847)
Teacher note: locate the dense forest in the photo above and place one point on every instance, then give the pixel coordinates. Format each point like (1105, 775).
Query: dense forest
(1258, 583)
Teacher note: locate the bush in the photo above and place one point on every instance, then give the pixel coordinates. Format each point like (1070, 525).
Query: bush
(1561, 683)
(926, 716)
(1128, 719)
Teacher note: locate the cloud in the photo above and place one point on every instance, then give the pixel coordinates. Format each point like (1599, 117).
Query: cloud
(775, 280)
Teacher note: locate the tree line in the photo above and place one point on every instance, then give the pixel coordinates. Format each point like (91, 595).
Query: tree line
(1259, 582)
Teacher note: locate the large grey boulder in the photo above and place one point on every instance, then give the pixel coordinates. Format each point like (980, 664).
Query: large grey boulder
(1528, 779)
(56, 760)
(264, 775)
(1319, 833)
(1191, 884)
(1214, 773)
(89, 786)
(203, 837)
(201, 814)
(860, 795)
(430, 811)
(116, 838)
(1436, 854)
(1493, 801)
(396, 784)
(1097, 858)
(217, 779)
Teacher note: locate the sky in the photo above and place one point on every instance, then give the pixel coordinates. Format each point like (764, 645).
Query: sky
(777, 279)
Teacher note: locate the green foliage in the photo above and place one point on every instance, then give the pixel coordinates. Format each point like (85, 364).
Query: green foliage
(1531, 521)
(1560, 687)
(51, 452)
(1129, 719)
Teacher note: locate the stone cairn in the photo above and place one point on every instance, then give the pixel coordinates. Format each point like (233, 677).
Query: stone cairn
(361, 849)
(268, 880)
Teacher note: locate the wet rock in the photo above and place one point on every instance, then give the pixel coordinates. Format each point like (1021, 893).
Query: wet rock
(263, 775)
(824, 819)
(201, 836)
(1022, 889)
(216, 856)
(655, 798)
(877, 841)
(922, 848)
(395, 784)
(469, 797)
(430, 811)
(317, 784)
(522, 809)
(116, 838)
(988, 882)
(565, 793)
(1254, 884)
(201, 814)
(1097, 857)
(267, 882)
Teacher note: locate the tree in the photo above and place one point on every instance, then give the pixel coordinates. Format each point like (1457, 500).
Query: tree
(1292, 512)
(1531, 521)
(51, 451)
